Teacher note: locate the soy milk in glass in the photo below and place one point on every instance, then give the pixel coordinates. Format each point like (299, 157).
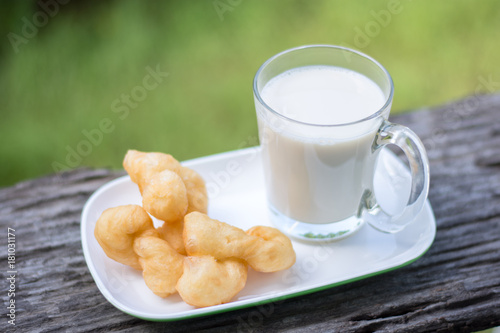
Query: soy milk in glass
(322, 113)
(311, 180)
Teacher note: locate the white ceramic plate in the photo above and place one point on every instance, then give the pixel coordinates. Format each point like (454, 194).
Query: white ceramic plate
(236, 191)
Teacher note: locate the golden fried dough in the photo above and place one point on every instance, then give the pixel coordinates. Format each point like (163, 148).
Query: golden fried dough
(265, 249)
(162, 265)
(140, 165)
(172, 233)
(169, 190)
(205, 236)
(196, 190)
(164, 196)
(207, 282)
(116, 229)
(219, 254)
(273, 251)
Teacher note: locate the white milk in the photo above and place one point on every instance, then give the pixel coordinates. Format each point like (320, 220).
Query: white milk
(319, 174)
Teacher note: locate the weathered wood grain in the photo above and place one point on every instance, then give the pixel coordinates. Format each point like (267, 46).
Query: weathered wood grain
(455, 286)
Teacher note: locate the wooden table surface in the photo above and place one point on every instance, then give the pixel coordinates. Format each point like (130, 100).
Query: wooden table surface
(455, 286)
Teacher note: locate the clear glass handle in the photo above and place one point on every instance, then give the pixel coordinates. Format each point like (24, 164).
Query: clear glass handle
(411, 145)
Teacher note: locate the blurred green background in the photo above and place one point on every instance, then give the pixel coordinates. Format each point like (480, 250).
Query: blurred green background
(66, 69)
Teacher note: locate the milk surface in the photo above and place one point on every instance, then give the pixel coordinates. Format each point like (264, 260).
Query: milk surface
(319, 180)
(323, 95)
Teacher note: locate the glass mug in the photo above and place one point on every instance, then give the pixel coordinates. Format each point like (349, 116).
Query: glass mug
(319, 160)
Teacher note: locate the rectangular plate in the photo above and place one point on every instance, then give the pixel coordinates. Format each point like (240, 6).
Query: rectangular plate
(235, 186)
